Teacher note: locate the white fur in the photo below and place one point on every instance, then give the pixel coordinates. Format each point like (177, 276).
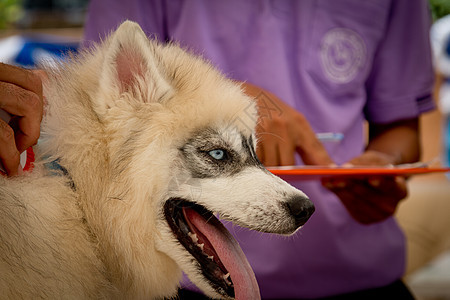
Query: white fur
(117, 128)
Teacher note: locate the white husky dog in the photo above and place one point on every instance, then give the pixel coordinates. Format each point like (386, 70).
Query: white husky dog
(151, 140)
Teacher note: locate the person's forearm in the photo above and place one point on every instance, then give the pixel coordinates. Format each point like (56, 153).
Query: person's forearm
(399, 140)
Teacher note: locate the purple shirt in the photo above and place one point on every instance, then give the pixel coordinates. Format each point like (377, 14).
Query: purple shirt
(338, 62)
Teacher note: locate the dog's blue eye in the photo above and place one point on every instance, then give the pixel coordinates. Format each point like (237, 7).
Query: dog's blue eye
(218, 154)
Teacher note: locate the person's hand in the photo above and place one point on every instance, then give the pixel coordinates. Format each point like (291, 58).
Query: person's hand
(21, 97)
(371, 199)
(282, 132)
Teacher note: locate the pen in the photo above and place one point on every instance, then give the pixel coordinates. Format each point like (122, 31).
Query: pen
(330, 136)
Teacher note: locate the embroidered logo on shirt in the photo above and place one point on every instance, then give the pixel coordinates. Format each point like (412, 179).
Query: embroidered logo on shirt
(343, 54)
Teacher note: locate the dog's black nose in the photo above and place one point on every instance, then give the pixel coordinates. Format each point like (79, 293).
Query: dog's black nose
(301, 208)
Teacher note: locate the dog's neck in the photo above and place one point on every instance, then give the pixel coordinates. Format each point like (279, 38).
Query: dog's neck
(73, 134)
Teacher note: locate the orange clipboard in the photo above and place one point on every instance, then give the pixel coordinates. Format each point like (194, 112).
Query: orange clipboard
(318, 172)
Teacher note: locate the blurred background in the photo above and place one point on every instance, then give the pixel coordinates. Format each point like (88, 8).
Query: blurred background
(42, 13)
(31, 30)
(36, 30)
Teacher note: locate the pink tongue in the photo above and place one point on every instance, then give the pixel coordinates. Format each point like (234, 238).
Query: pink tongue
(231, 255)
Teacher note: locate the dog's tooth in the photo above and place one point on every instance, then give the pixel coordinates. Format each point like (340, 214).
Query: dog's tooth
(211, 257)
(193, 237)
(201, 246)
(225, 277)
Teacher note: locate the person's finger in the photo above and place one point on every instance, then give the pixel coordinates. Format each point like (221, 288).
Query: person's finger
(394, 186)
(21, 95)
(365, 201)
(9, 155)
(283, 143)
(29, 133)
(268, 145)
(371, 158)
(27, 79)
(313, 152)
(286, 154)
(307, 145)
(355, 197)
(26, 105)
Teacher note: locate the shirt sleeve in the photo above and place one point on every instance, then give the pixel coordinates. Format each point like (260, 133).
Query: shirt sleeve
(401, 81)
(104, 16)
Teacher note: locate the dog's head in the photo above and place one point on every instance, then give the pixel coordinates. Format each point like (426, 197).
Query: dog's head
(182, 147)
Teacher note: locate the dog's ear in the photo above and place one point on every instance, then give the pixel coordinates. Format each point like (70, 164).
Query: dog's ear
(130, 58)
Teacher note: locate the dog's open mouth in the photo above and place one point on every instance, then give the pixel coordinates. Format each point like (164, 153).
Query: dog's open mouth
(221, 259)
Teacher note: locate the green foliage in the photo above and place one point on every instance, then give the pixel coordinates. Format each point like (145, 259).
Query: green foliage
(439, 8)
(10, 11)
